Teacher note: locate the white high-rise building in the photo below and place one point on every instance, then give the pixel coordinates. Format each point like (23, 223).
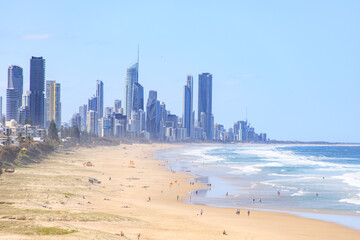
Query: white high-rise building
(92, 122)
(83, 116)
(26, 99)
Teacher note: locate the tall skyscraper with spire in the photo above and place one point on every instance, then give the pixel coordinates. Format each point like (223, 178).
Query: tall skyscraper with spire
(37, 85)
(188, 120)
(131, 78)
(205, 104)
(134, 92)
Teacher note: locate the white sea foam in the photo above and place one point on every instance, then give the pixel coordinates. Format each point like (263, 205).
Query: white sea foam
(301, 192)
(274, 184)
(288, 158)
(351, 200)
(284, 175)
(247, 170)
(353, 179)
(201, 156)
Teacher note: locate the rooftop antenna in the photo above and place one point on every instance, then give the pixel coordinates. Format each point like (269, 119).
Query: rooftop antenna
(138, 55)
(246, 114)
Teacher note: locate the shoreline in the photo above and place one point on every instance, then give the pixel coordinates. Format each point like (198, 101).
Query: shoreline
(344, 218)
(59, 195)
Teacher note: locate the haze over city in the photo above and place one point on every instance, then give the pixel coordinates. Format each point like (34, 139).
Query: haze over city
(292, 72)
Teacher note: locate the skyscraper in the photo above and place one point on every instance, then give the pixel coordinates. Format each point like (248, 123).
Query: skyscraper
(15, 80)
(83, 116)
(12, 104)
(188, 123)
(138, 97)
(0, 109)
(117, 105)
(53, 104)
(23, 114)
(92, 122)
(100, 98)
(37, 81)
(152, 114)
(131, 78)
(26, 99)
(76, 120)
(205, 103)
(93, 103)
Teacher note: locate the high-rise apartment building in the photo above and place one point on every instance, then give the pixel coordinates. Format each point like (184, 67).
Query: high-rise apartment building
(188, 120)
(100, 98)
(12, 104)
(26, 99)
(83, 116)
(24, 114)
(152, 114)
(15, 80)
(138, 97)
(0, 109)
(205, 104)
(117, 106)
(142, 119)
(93, 103)
(76, 120)
(92, 122)
(53, 104)
(131, 78)
(108, 111)
(37, 82)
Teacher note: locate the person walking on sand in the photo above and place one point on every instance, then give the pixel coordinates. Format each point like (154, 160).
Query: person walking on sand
(248, 212)
(139, 236)
(238, 211)
(201, 212)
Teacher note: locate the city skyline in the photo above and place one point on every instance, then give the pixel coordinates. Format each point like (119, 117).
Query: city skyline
(280, 75)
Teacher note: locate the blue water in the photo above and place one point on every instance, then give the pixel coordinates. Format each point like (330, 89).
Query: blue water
(311, 178)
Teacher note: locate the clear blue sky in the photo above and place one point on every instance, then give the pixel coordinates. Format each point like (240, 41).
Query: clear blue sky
(293, 66)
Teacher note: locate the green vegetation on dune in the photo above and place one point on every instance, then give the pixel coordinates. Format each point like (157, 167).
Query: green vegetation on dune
(9, 212)
(28, 228)
(52, 231)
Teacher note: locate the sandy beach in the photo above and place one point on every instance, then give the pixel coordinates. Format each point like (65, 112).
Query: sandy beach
(143, 200)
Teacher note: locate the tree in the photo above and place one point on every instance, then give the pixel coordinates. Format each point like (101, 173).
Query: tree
(75, 132)
(64, 132)
(52, 131)
(20, 138)
(28, 121)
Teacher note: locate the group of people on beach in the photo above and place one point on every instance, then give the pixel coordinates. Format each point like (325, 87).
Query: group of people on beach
(238, 212)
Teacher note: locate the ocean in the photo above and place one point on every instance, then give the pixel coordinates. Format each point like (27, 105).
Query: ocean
(314, 181)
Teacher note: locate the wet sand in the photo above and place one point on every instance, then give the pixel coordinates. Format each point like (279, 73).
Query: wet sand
(54, 200)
